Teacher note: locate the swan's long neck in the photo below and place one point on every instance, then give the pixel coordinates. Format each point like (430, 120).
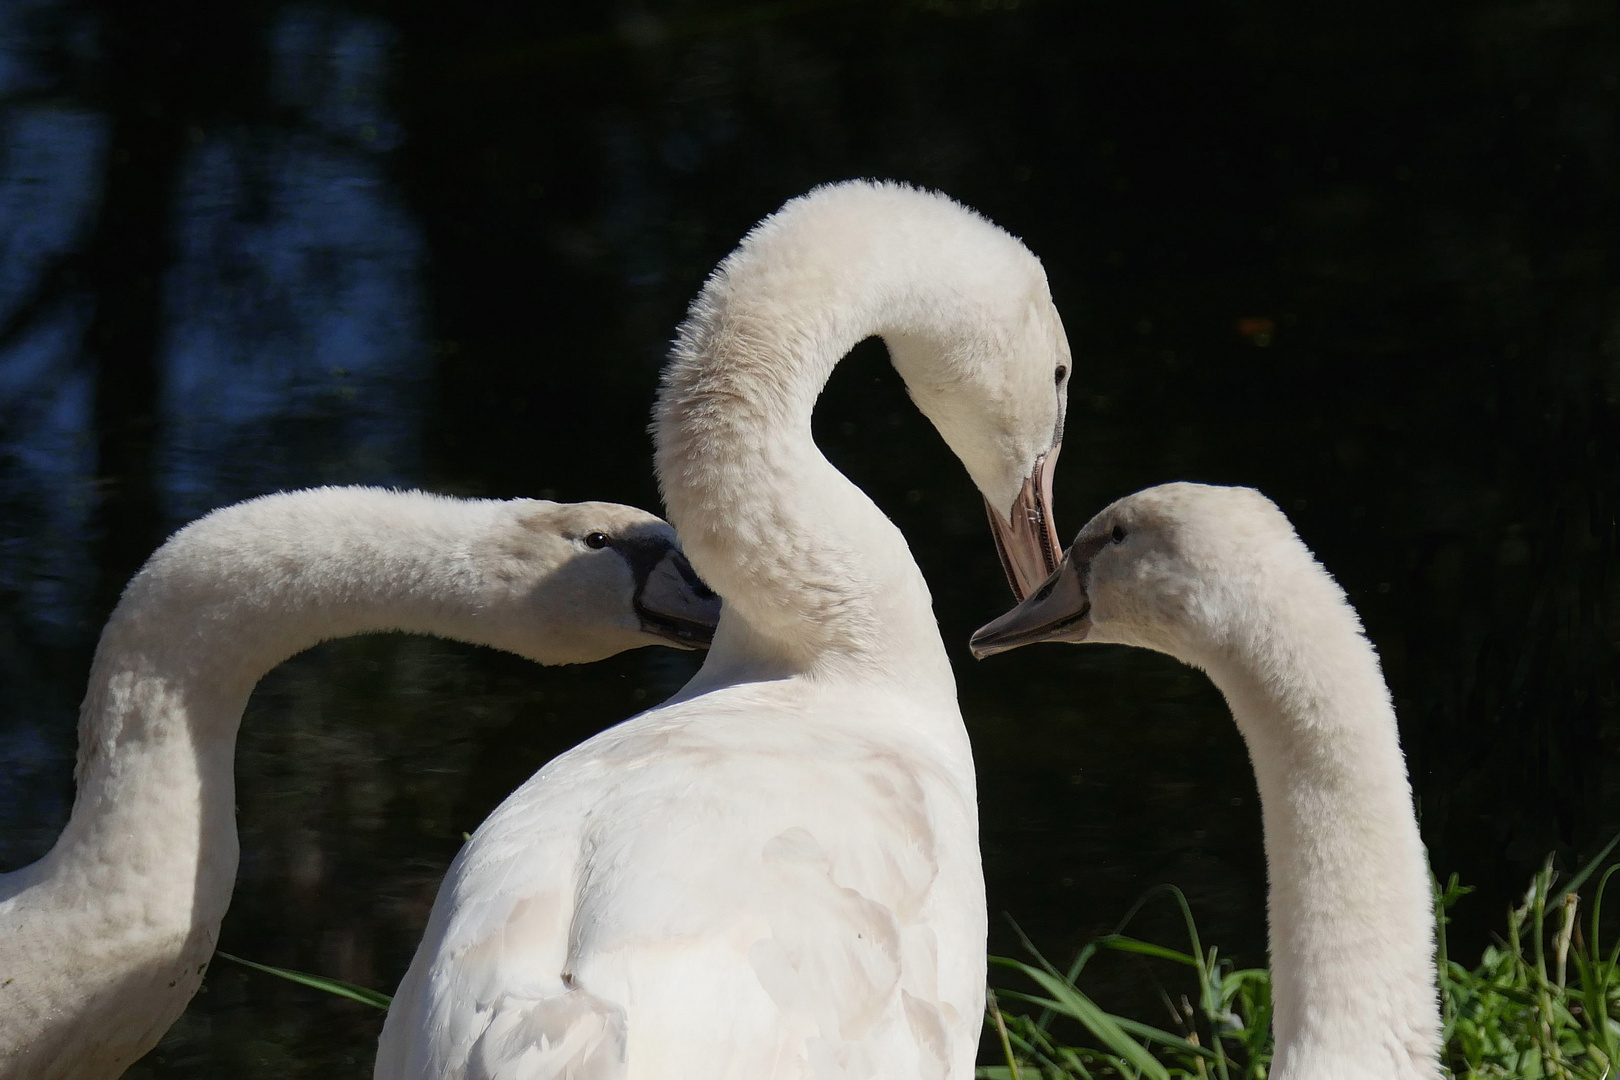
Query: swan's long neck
(1351, 913)
(152, 836)
(812, 573)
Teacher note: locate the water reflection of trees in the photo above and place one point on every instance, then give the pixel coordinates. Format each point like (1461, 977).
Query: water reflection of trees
(209, 289)
(294, 344)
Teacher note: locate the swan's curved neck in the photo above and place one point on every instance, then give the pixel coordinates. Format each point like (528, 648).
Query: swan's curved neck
(813, 574)
(222, 603)
(1350, 907)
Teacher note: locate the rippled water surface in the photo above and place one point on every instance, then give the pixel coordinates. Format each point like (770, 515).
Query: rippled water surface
(1361, 259)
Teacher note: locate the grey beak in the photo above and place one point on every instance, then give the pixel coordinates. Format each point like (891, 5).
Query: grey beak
(671, 600)
(1027, 539)
(1058, 611)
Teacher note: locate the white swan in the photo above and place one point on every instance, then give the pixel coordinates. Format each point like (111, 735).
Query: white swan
(776, 874)
(1217, 578)
(104, 940)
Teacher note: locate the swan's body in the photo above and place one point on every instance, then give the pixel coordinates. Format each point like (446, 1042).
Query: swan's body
(104, 940)
(776, 874)
(1217, 578)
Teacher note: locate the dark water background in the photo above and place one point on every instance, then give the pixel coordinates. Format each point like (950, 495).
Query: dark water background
(252, 246)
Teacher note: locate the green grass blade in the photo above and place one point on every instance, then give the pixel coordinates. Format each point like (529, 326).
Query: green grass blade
(1152, 1034)
(1585, 872)
(1001, 1030)
(1131, 1027)
(1597, 910)
(1101, 1025)
(364, 995)
(1121, 943)
(1029, 999)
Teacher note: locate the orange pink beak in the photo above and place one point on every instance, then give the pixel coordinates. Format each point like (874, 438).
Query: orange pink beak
(1026, 539)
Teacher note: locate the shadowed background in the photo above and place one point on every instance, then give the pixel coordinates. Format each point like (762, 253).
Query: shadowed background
(1358, 258)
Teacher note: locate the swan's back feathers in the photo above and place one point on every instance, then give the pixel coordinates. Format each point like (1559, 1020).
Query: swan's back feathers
(756, 897)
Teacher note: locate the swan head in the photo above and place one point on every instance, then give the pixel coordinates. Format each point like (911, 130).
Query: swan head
(578, 582)
(1179, 568)
(991, 372)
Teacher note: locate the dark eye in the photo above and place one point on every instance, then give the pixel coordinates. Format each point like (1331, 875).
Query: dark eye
(1058, 376)
(1118, 535)
(596, 540)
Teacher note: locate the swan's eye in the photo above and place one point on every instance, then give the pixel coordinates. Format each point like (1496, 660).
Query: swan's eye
(1118, 535)
(596, 540)
(1058, 375)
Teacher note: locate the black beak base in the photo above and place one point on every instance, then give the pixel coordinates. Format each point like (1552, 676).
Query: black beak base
(671, 601)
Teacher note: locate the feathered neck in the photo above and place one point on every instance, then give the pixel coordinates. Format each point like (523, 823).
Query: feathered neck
(1350, 908)
(104, 939)
(814, 576)
(234, 594)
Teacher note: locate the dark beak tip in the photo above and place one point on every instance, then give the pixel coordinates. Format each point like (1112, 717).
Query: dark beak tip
(988, 640)
(987, 643)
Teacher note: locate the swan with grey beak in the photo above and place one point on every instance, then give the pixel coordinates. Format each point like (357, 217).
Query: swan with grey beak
(1217, 578)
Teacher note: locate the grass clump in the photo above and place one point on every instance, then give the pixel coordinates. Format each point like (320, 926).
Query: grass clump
(1543, 1002)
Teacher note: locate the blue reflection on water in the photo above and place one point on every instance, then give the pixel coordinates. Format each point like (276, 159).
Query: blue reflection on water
(50, 181)
(295, 344)
(293, 352)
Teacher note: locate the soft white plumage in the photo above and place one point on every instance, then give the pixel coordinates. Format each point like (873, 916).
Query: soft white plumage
(1217, 578)
(776, 874)
(104, 940)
